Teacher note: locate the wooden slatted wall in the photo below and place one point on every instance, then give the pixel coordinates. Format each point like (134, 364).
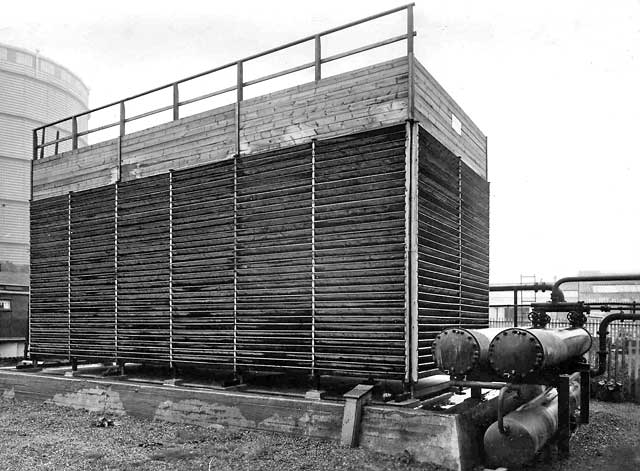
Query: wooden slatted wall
(92, 270)
(203, 264)
(294, 260)
(359, 254)
(438, 245)
(273, 253)
(49, 303)
(143, 320)
(475, 248)
(453, 240)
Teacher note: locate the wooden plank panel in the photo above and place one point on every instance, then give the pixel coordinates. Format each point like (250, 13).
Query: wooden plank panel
(143, 321)
(203, 265)
(273, 308)
(92, 275)
(359, 257)
(49, 318)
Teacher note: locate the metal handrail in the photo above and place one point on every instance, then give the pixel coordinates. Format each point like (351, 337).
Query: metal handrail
(240, 83)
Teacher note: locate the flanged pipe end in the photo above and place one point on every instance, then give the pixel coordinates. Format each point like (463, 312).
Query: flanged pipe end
(516, 352)
(456, 350)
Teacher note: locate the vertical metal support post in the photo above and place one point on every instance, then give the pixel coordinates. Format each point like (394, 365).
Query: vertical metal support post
(564, 414)
(235, 264)
(239, 98)
(410, 29)
(176, 102)
(115, 282)
(44, 131)
(123, 121)
(313, 257)
(55, 149)
(459, 240)
(318, 57)
(515, 308)
(585, 393)
(74, 133)
(411, 64)
(171, 269)
(411, 252)
(69, 274)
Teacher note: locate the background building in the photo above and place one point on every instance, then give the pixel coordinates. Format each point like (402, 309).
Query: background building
(33, 90)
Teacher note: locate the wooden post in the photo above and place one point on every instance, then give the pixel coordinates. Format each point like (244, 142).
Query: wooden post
(55, 151)
(354, 401)
(176, 102)
(318, 59)
(44, 132)
(123, 121)
(74, 133)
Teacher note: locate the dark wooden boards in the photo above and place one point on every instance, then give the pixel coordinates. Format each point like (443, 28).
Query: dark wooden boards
(92, 274)
(203, 265)
(453, 246)
(273, 253)
(359, 254)
(49, 302)
(143, 316)
(288, 260)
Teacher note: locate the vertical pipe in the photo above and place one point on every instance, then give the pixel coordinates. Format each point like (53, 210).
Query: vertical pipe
(171, 268)
(318, 57)
(564, 414)
(515, 308)
(74, 133)
(585, 386)
(176, 102)
(411, 64)
(313, 257)
(115, 281)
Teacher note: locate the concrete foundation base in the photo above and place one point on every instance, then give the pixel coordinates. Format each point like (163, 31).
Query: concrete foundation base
(429, 437)
(11, 348)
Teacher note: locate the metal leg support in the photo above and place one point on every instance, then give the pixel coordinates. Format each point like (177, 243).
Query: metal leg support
(585, 394)
(564, 415)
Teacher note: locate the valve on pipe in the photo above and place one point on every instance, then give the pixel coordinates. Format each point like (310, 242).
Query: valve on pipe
(524, 431)
(459, 351)
(517, 353)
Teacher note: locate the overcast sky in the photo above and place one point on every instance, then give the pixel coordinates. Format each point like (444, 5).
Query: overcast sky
(555, 85)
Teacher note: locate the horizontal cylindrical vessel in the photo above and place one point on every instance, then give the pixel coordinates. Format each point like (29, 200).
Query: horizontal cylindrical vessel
(519, 352)
(458, 351)
(527, 428)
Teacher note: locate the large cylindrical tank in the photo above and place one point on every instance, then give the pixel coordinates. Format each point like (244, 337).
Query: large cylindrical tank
(519, 352)
(34, 91)
(459, 351)
(527, 428)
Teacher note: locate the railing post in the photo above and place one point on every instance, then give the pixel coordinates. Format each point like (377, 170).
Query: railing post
(44, 132)
(239, 85)
(318, 58)
(515, 308)
(122, 119)
(239, 97)
(176, 102)
(55, 151)
(74, 133)
(410, 29)
(35, 144)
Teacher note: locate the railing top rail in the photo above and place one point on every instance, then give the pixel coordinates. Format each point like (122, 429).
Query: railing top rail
(233, 63)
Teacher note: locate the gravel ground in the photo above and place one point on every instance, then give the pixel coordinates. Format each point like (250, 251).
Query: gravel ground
(46, 437)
